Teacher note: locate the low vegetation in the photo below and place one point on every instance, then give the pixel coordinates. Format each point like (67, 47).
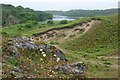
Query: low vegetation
(101, 40)
(15, 15)
(83, 13)
(33, 28)
(50, 23)
(63, 22)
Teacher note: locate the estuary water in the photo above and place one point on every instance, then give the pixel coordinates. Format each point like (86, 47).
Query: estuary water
(59, 18)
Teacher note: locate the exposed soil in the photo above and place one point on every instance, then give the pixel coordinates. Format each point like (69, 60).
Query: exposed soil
(63, 34)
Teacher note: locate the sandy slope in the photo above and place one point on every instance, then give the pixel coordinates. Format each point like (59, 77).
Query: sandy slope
(64, 34)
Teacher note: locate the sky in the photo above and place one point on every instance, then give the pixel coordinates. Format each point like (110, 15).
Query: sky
(63, 4)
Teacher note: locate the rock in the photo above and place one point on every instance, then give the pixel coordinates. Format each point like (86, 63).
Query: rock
(60, 54)
(27, 43)
(47, 51)
(13, 51)
(74, 68)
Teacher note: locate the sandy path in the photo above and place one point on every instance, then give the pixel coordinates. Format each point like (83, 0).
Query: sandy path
(61, 35)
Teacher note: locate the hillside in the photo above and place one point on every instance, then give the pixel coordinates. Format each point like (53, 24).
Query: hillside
(14, 15)
(99, 38)
(62, 34)
(55, 12)
(92, 40)
(98, 48)
(83, 13)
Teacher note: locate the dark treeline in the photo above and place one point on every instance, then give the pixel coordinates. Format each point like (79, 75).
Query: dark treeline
(83, 13)
(13, 15)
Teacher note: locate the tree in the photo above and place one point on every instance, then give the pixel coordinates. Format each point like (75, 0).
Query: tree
(23, 14)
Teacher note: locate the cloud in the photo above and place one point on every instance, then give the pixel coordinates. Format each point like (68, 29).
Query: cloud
(63, 4)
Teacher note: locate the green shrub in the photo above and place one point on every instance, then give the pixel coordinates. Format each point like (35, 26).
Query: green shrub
(54, 42)
(107, 63)
(40, 26)
(20, 29)
(13, 61)
(28, 25)
(50, 22)
(85, 55)
(4, 33)
(33, 22)
(82, 30)
(63, 22)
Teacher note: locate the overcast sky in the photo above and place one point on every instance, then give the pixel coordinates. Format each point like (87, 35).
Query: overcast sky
(63, 4)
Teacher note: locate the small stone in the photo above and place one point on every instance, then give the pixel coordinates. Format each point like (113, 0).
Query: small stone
(18, 45)
(14, 51)
(32, 42)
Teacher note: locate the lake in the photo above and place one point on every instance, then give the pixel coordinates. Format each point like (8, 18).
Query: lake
(59, 18)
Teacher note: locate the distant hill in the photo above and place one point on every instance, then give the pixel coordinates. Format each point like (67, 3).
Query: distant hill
(55, 12)
(83, 13)
(14, 15)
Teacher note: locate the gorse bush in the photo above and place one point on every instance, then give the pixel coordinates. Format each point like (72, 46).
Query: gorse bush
(28, 25)
(107, 63)
(4, 33)
(50, 22)
(19, 28)
(63, 22)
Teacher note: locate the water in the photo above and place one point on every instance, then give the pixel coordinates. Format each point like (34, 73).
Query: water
(59, 18)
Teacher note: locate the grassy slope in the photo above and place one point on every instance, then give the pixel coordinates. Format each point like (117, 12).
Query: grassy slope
(14, 30)
(100, 40)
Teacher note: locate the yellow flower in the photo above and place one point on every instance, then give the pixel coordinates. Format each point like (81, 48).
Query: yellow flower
(52, 71)
(41, 59)
(50, 75)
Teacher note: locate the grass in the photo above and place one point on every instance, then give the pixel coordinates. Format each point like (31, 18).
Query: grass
(107, 63)
(100, 40)
(20, 29)
(13, 61)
